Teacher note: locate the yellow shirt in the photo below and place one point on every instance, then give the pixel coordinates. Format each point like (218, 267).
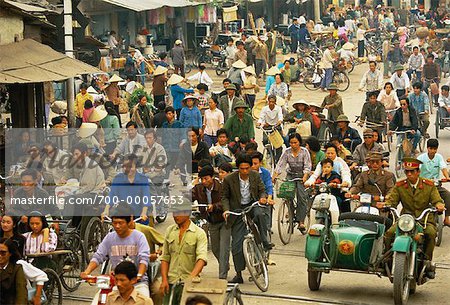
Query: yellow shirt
(182, 256)
(135, 298)
(79, 103)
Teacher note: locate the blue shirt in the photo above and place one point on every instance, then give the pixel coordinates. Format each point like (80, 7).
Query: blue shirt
(136, 194)
(173, 135)
(420, 103)
(191, 117)
(269, 81)
(266, 179)
(431, 169)
(178, 95)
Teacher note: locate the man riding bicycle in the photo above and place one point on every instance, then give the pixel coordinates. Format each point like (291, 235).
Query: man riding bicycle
(405, 118)
(271, 117)
(419, 101)
(239, 190)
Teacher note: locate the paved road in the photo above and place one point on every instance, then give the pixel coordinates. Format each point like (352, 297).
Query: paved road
(289, 276)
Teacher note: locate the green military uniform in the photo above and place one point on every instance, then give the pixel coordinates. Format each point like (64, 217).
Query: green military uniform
(239, 128)
(384, 179)
(336, 108)
(414, 202)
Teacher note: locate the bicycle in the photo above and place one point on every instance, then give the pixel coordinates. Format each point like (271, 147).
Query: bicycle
(401, 153)
(269, 150)
(313, 78)
(285, 217)
(325, 133)
(256, 257)
(428, 82)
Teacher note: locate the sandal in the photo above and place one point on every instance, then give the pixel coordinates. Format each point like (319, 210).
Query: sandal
(301, 227)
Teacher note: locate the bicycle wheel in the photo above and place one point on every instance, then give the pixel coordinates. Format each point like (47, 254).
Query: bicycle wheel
(440, 229)
(341, 80)
(93, 236)
(73, 263)
(285, 222)
(269, 158)
(187, 68)
(233, 298)
(327, 135)
(256, 264)
(398, 162)
(422, 143)
(389, 142)
(437, 123)
(312, 80)
(52, 288)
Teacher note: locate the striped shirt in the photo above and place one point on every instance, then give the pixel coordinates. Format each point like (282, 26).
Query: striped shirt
(297, 165)
(416, 62)
(35, 245)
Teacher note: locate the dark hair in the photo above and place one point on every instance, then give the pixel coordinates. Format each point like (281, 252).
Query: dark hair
(445, 87)
(169, 109)
(204, 163)
(56, 120)
(84, 86)
(296, 136)
(415, 47)
(39, 215)
(417, 85)
(373, 62)
(226, 80)
(198, 299)
(243, 158)
(390, 84)
(132, 123)
(272, 97)
(372, 94)
(150, 131)
(126, 268)
(327, 161)
(222, 131)
(432, 143)
(404, 98)
(29, 172)
(202, 86)
(109, 107)
(331, 145)
(88, 104)
(251, 145)
(195, 130)
(244, 139)
(82, 147)
(239, 43)
(122, 211)
(313, 143)
(280, 75)
(257, 155)
(206, 171)
(15, 230)
(161, 106)
(430, 56)
(12, 248)
(131, 157)
(226, 167)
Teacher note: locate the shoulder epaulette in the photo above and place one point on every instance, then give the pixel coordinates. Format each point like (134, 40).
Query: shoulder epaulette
(402, 182)
(428, 181)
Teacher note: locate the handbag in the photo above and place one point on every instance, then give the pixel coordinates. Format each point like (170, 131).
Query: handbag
(304, 128)
(123, 106)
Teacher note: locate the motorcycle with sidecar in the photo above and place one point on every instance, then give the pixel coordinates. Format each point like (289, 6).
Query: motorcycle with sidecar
(356, 244)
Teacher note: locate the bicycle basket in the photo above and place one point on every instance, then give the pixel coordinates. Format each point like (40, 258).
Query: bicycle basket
(286, 190)
(276, 139)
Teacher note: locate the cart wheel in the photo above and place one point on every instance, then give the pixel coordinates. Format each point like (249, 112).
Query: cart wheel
(73, 263)
(285, 221)
(93, 236)
(52, 288)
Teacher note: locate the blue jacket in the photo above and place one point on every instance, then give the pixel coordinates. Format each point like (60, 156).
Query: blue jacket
(178, 95)
(191, 117)
(172, 135)
(419, 103)
(269, 82)
(266, 179)
(304, 37)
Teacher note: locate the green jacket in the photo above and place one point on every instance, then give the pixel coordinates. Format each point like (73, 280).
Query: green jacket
(110, 125)
(415, 202)
(238, 128)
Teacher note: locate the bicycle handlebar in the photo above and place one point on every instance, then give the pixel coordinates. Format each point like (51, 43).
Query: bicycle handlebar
(245, 210)
(108, 219)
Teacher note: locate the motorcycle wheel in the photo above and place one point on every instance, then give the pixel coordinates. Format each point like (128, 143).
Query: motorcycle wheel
(440, 229)
(314, 279)
(401, 282)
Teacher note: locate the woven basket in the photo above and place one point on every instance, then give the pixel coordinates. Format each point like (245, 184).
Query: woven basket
(286, 190)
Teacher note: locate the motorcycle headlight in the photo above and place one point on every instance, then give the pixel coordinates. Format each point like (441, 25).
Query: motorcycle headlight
(322, 188)
(406, 223)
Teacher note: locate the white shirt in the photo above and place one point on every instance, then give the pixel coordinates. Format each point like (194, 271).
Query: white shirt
(390, 101)
(346, 54)
(360, 34)
(444, 101)
(345, 172)
(271, 117)
(401, 82)
(201, 78)
(33, 274)
(212, 121)
(372, 81)
(221, 150)
(301, 20)
(327, 59)
(112, 41)
(138, 56)
(245, 190)
(318, 27)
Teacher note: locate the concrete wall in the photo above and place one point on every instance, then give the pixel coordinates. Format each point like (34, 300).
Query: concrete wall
(11, 28)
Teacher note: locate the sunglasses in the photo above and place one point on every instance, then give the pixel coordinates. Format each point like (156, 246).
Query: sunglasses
(3, 253)
(409, 170)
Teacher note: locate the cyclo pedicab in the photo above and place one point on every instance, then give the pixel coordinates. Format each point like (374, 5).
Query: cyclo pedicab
(356, 244)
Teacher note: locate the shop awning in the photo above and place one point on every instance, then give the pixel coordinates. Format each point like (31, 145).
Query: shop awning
(29, 61)
(144, 5)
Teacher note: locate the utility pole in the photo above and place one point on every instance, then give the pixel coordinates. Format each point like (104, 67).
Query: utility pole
(68, 45)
